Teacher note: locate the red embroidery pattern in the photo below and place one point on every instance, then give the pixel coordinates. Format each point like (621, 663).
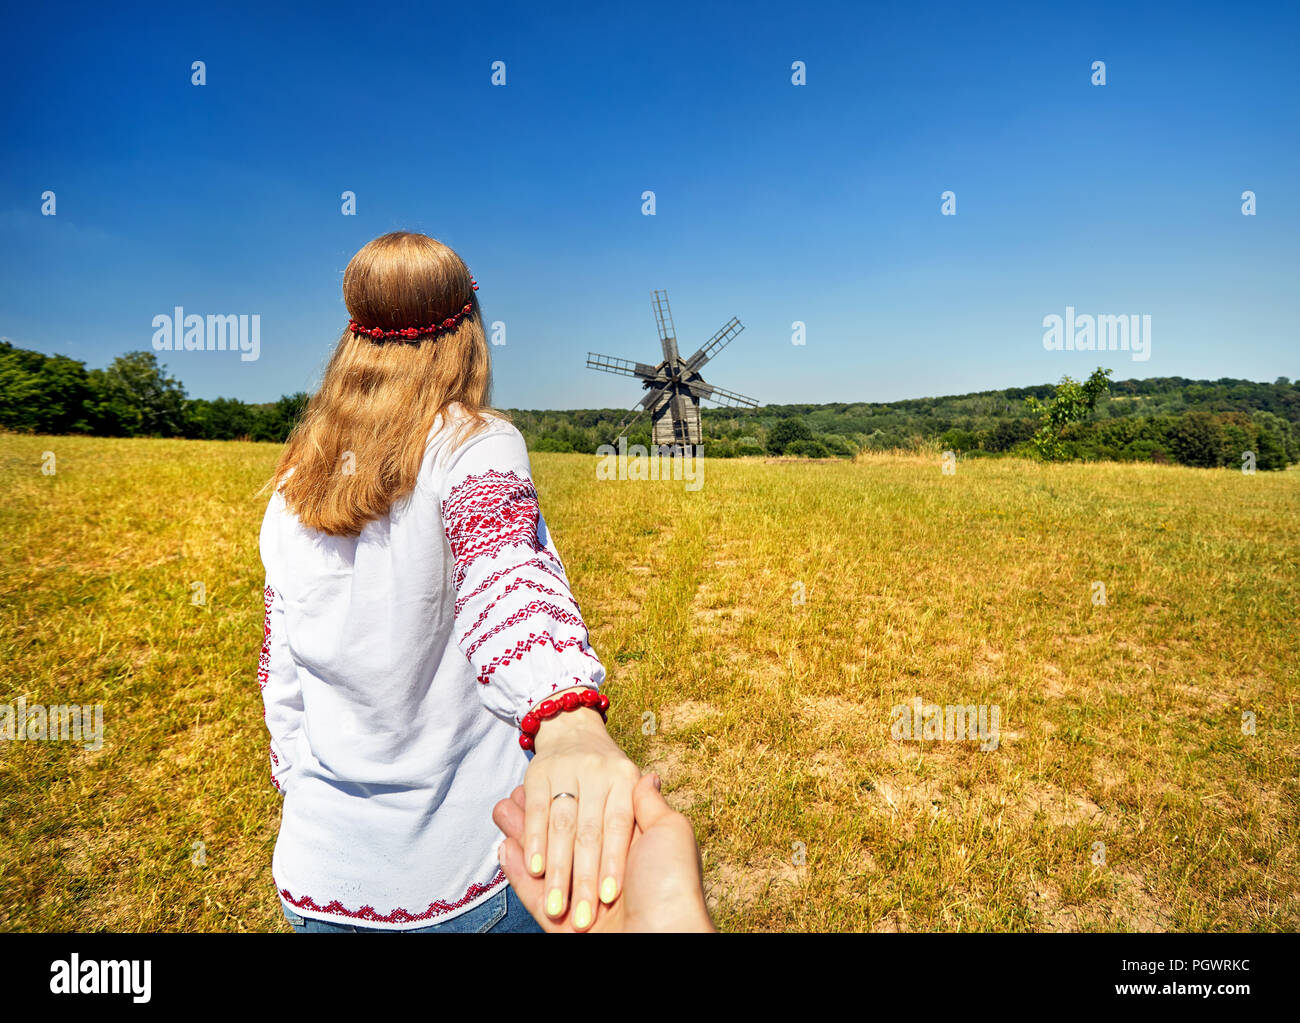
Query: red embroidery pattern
(531, 584)
(484, 515)
(264, 672)
(488, 513)
(264, 660)
(533, 607)
(501, 573)
(517, 652)
(555, 685)
(275, 762)
(397, 916)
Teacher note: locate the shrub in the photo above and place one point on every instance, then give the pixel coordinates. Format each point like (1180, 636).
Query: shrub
(785, 433)
(812, 447)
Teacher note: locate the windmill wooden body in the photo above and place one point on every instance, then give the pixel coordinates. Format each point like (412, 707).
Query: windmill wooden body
(674, 386)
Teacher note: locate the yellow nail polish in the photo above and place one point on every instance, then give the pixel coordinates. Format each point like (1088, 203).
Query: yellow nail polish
(608, 889)
(555, 902)
(535, 864)
(582, 915)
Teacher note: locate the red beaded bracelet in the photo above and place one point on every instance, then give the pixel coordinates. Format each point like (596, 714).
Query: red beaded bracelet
(547, 709)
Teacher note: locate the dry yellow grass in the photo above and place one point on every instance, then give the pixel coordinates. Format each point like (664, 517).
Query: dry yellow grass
(768, 719)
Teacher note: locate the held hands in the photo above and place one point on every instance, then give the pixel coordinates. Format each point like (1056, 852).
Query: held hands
(577, 819)
(662, 890)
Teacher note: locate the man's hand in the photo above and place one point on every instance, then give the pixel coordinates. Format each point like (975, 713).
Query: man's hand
(662, 891)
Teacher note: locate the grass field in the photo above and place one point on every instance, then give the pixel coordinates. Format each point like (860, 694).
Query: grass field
(768, 719)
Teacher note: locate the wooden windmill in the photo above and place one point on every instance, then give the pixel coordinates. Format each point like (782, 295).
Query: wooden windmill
(674, 387)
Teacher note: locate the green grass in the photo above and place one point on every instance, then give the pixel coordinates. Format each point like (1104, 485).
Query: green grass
(768, 719)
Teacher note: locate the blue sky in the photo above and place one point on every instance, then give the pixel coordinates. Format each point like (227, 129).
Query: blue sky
(774, 203)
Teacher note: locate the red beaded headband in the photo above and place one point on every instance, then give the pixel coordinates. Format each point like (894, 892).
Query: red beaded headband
(411, 333)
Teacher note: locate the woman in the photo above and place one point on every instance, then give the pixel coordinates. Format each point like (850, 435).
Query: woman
(421, 638)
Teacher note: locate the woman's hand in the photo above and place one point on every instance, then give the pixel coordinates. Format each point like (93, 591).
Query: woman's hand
(580, 844)
(663, 891)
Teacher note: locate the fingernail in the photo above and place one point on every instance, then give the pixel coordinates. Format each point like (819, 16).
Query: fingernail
(658, 783)
(535, 864)
(582, 915)
(608, 889)
(499, 848)
(555, 902)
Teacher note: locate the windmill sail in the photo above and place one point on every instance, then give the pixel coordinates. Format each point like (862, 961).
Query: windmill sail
(664, 321)
(720, 395)
(626, 367)
(715, 344)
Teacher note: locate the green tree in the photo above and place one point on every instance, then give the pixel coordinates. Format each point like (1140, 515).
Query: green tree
(42, 393)
(220, 419)
(785, 433)
(275, 422)
(1007, 433)
(1071, 403)
(808, 447)
(135, 398)
(1198, 439)
(958, 440)
(1277, 444)
(20, 390)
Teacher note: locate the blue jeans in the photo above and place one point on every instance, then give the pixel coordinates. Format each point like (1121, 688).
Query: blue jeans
(501, 913)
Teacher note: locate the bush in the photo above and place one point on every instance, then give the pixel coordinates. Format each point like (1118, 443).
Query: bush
(958, 440)
(552, 444)
(1198, 440)
(785, 433)
(812, 447)
(839, 447)
(1008, 433)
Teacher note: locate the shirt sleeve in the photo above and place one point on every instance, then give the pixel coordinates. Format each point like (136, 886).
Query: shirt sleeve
(515, 617)
(277, 677)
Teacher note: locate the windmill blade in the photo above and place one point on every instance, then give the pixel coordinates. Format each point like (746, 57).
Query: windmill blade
(664, 321)
(654, 388)
(627, 423)
(723, 397)
(715, 344)
(623, 367)
(640, 408)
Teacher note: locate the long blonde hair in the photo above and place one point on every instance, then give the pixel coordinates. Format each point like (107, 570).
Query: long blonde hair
(362, 438)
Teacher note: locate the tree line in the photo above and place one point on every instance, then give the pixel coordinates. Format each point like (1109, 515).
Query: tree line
(1161, 419)
(133, 397)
